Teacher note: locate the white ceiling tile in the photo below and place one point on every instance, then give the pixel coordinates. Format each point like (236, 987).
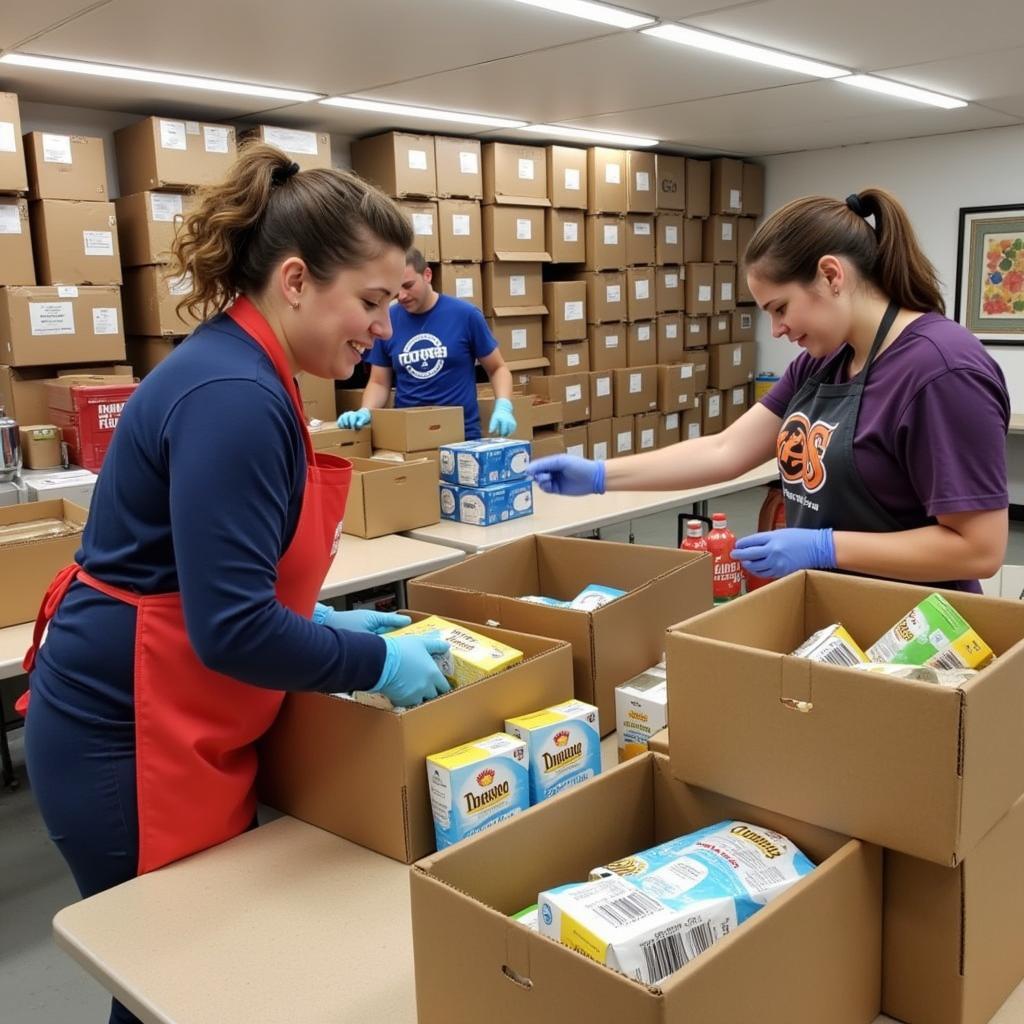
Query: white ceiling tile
(978, 77)
(22, 20)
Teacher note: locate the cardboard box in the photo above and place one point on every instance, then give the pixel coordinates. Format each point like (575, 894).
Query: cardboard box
(642, 344)
(13, 175)
(514, 233)
(640, 240)
(753, 190)
(546, 412)
(151, 300)
(147, 223)
(668, 429)
(700, 289)
(925, 770)
(460, 281)
(720, 239)
(566, 302)
(641, 303)
(423, 428)
(671, 182)
(605, 242)
(602, 394)
(623, 436)
(567, 177)
(743, 324)
(513, 289)
(676, 388)
(160, 153)
(608, 346)
(696, 332)
(744, 233)
(458, 167)
(737, 402)
(27, 568)
(725, 288)
(567, 357)
(606, 296)
(575, 440)
(459, 230)
(471, 957)
(65, 167)
(699, 358)
(515, 175)
(23, 389)
(47, 326)
(518, 337)
(691, 423)
(16, 265)
(87, 410)
(389, 499)
(645, 432)
(636, 390)
(360, 772)
(146, 354)
(670, 338)
(669, 239)
(548, 442)
(318, 398)
(599, 439)
(669, 294)
(571, 389)
(522, 410)
(720, 329)
(398, 163)
(310, 150)
(713, 413)
(727, 186)
(422, 215)
(659, 743)
(75, 242)
(40, 446)
(642, 181)
(522, 375)
(606, 180)
(693, 241)
(566, 236)
(335, 440)
(698, 188)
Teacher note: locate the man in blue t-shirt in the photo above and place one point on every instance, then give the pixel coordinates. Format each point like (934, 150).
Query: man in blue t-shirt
(436, 341)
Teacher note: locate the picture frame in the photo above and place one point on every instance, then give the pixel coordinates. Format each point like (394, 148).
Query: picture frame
(990, 273)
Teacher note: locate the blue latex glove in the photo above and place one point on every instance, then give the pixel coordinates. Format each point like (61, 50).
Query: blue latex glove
(359, 621)
(780, 552)
(355, 420)
(503, 423)
(410, 675)
(567, 474)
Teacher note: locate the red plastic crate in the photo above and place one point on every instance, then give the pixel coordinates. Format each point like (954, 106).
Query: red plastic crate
(87, 416)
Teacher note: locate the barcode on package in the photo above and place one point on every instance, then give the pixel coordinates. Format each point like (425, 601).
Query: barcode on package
(673, 951)
(627, 909)
(837, 653)
(947, 659)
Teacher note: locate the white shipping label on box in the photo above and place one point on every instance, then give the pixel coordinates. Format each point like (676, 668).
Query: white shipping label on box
(104, 321)
(739, 396)
(746, 321)
(723, 325)
(624, 441)
(613, 293)
(67, 291)
(464, 287)
(180, 285)
(573, 359)
(695, 328)
(704, 293)
(164, 206)
(576, 449)
(518, 337)
(8, 142)
(737, 356)
(727, 291)
(641, 227)
(735, 199)
(572, 179)
(468, 163)
(51, 318)
(215, 140)
(714, 405)
(526, 171)
(636, 383)
(172, 135)
(574, 393)
(611, 234)
(423, 223)
(726, 231)
(460, 224)
(573, 311)
(671, 331)
(671, 234)
(98, 243)
(671, 280)
(643, 181)
(600, 451)
(643, 332)
(604, 387)
(646, 439)
(56, 148)
(693, 431)
(524, 229)
(570, 231)
(517, 284)
(642, 288)
(10, 219)
(417, 159)
(613, 174)
(685, 371)
(611, 341)
(292, 140)
(672, 421)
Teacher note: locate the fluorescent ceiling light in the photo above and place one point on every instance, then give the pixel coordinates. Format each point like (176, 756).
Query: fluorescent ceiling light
(906, 92)
(399, 109)
(80, 67)
(744, 51)
(585, 135)
(603, 13)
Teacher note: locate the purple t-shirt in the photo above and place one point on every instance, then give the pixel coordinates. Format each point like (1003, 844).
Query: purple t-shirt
(931, 435)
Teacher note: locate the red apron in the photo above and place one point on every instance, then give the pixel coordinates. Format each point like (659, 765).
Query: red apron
(194, 728)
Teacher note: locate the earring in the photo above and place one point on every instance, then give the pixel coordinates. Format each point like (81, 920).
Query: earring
(295, 305)
(835, 292)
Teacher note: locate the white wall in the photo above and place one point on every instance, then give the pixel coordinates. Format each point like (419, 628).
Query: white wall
(933, 177)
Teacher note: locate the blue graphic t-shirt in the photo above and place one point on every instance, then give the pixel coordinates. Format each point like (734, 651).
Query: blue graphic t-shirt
(432, 356)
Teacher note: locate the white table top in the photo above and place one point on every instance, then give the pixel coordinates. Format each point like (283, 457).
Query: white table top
(554, 514)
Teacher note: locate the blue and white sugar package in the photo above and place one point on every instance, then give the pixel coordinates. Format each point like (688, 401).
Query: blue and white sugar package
(482, 463)
(595, 596)
(485, 506)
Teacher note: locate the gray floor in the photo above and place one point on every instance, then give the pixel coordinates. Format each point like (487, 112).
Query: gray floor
(41, 985)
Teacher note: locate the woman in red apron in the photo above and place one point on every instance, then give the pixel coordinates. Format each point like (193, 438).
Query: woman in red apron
(191, 607)
(889, 428)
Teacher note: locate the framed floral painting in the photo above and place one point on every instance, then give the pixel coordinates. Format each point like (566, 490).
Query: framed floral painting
(990, 273)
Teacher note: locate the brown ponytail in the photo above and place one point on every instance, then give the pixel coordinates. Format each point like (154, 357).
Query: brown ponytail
(263, 212)
(789, 244)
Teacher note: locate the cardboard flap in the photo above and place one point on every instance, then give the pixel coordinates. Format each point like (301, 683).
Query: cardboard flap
(517, 954)
(503, 200)
(528, 364)
(509, 256)
(520, 310)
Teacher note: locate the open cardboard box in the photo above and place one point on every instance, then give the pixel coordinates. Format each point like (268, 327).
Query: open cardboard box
(387, 498)
(417, 429)
(812, 956)
(923, 769)
(609, 645)
(360, 772)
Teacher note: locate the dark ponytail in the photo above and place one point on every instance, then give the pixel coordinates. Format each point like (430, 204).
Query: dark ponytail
(266, 210)
(789, 244)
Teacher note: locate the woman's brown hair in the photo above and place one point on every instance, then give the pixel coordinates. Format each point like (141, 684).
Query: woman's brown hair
(265, 210)
(789, 244)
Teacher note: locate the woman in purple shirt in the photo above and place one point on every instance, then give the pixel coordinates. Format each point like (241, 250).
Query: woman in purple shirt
(889, 428)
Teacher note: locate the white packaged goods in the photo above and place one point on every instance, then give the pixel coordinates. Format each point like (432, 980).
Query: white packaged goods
(594, 596)
(641, 710)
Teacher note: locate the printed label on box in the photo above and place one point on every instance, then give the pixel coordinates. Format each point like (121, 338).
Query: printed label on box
(576, 449)
(600, 451)
(671, 331)
(574, 393)
(643, 332)
(49, 318)
(518, 337)
(56, 148)
(10, 219)
(723, 324)
(672, 421)
(67, 291)
(572, 179)
(624, 441)
(714, 405)
(671, 280)
(611, 341)
(613, 293)
(612, 174)
(417, 159)
(671, 234)
(573, 359)
(524, 228)
(727, 291)
(604, 386)
(468, 163)
(746, 321)
(517, 284)
(641, 227)
(104, 321)
(98, 243)
(181, 285)
(735, 199)
(739, 396)
(685, 371)
(643, 181)
(695, 328)
(570, 231)
(8, 143)
(642, 288)
(573, 311)
(464, 287)
(692, 431)
(646, 439)
(460, 224)
(215, 140)
(423, 223)
(165, 207)
(292, 140)
(636, 384)
(726, 231)
(611, 234)
(704, 293)
(526, 172)
(737, 356)
(172, 135)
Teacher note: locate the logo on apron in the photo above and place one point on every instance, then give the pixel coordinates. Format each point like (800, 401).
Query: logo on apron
(336, 543)
(801, 448)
